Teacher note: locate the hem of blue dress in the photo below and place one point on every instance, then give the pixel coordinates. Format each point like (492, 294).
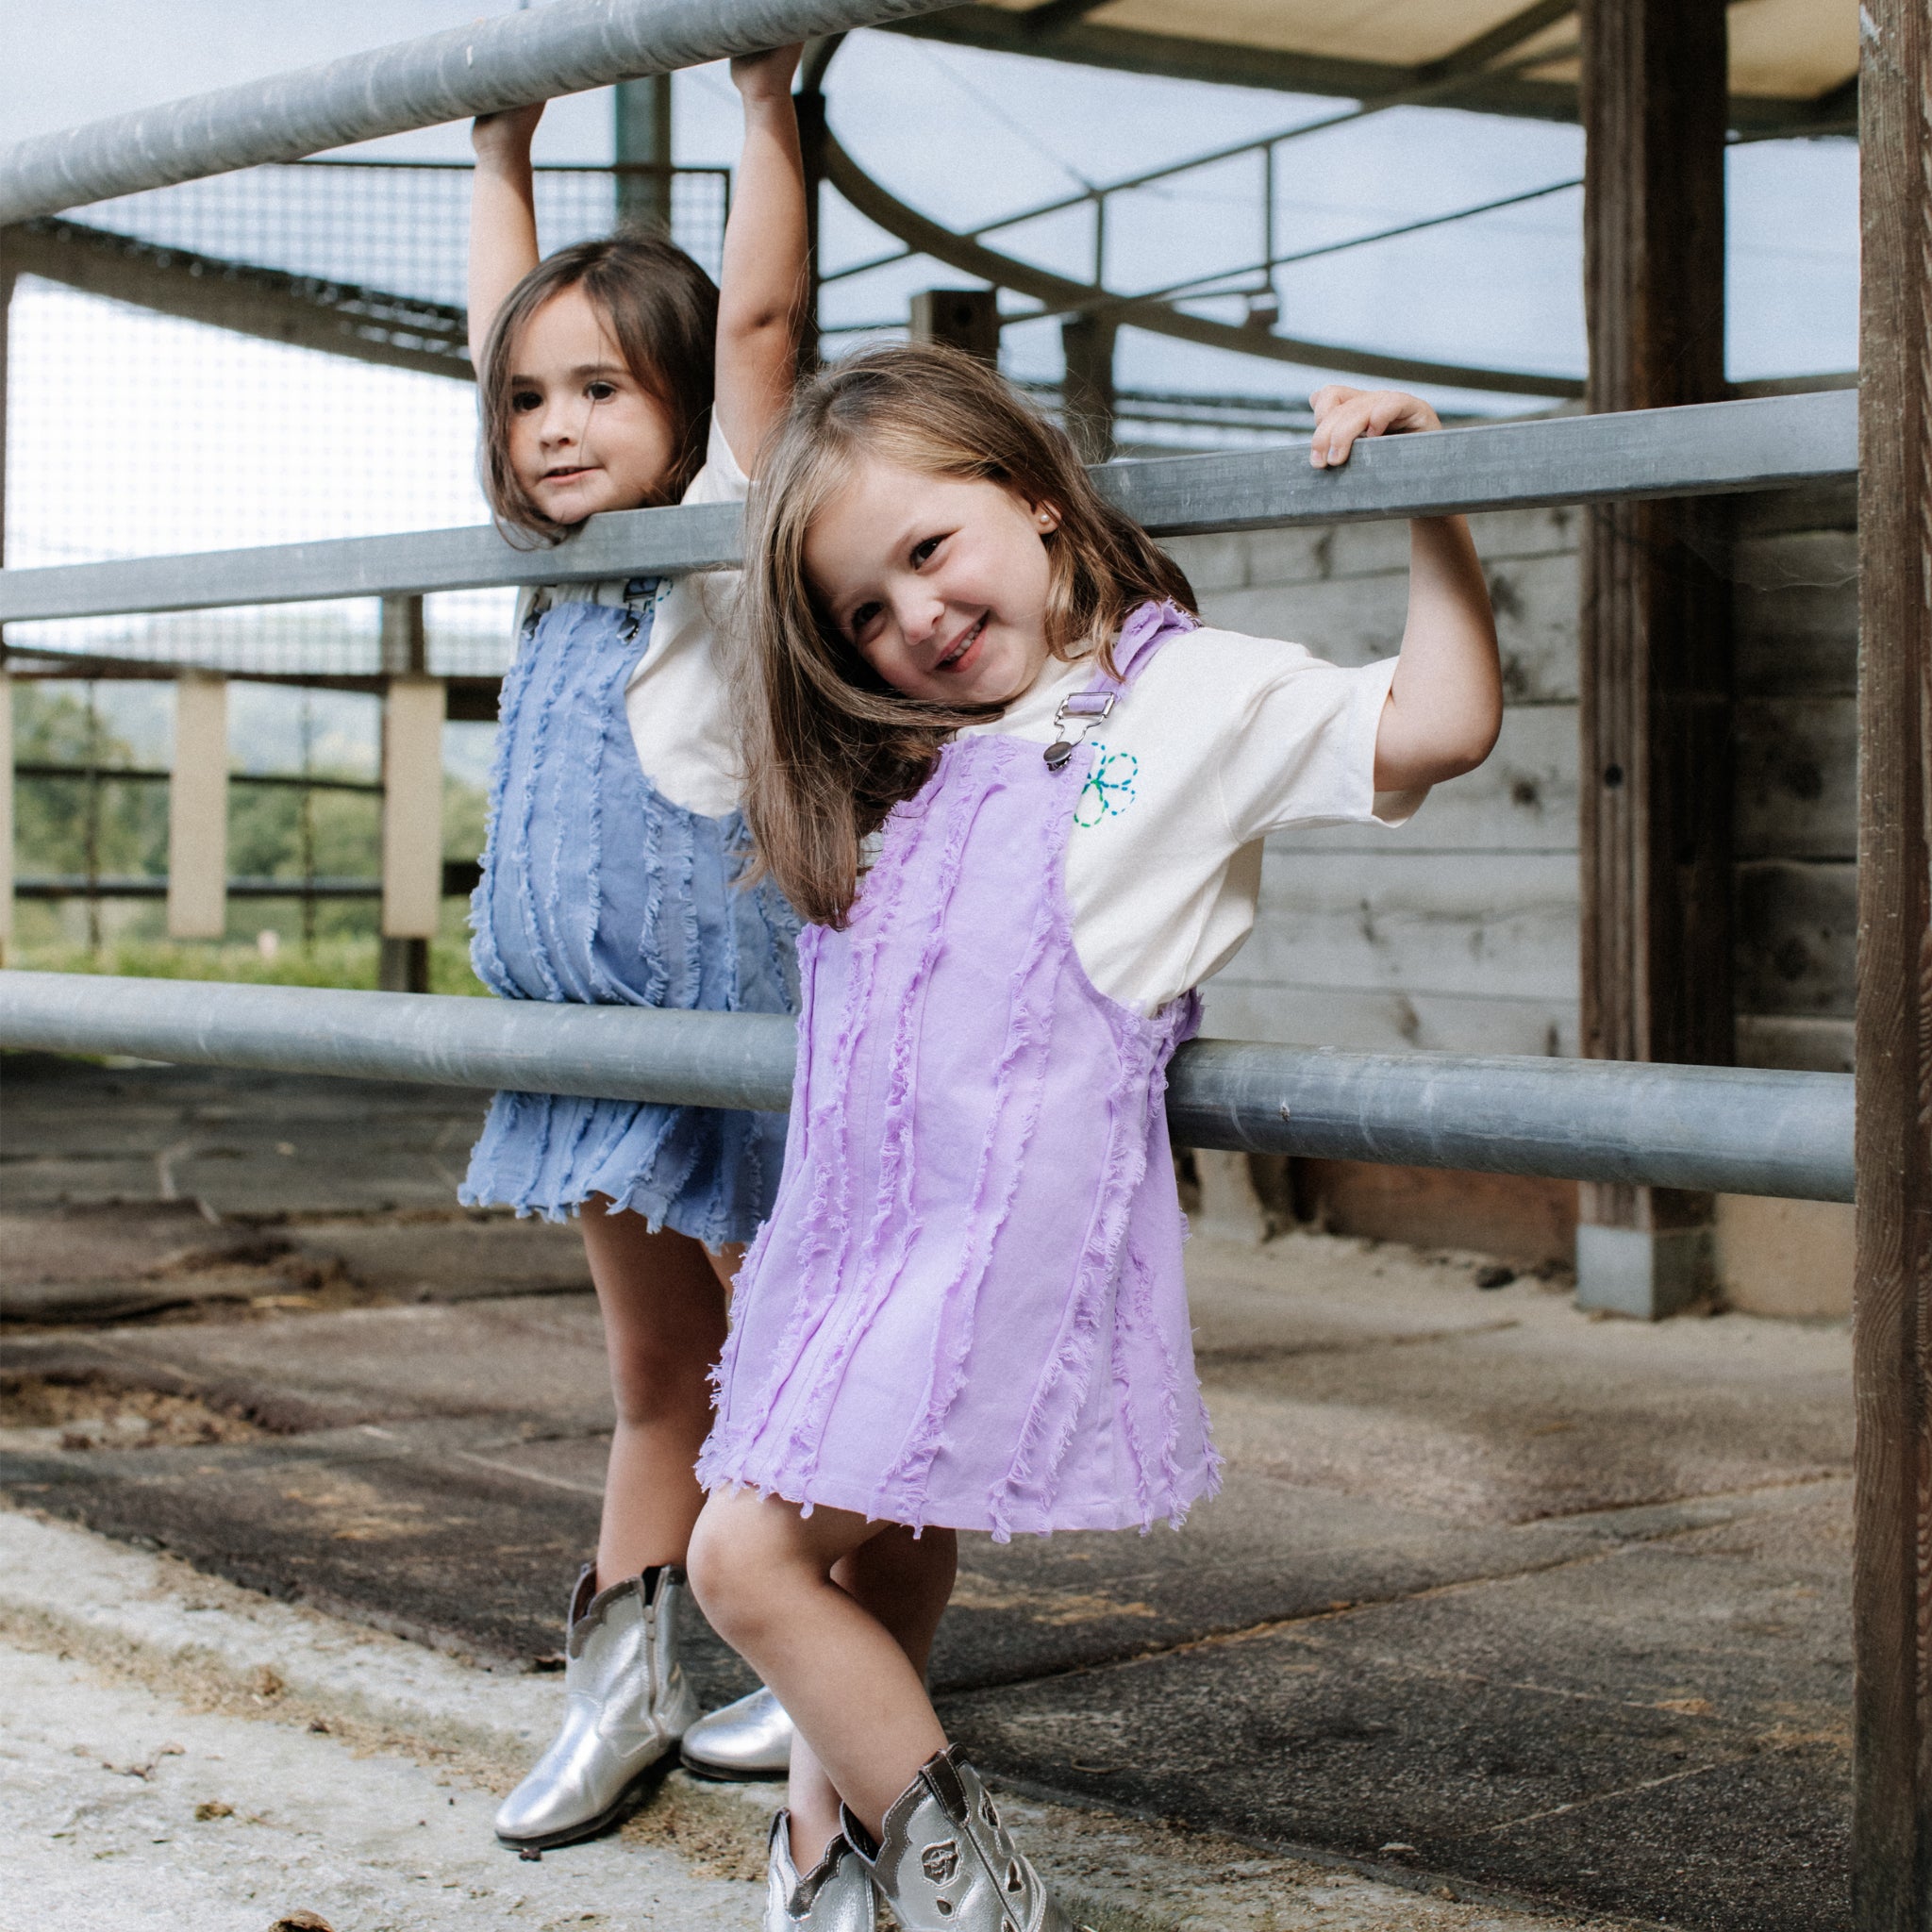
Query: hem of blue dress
(716, 1473)
(658, 1213)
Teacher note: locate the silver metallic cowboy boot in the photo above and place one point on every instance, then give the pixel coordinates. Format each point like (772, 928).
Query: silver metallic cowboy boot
(628, 1704)
(749, 1739)
(945, 1863)
(834, 1896)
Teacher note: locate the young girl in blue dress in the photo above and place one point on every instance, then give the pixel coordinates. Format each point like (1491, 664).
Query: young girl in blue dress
(1021, 792)
(610, 376)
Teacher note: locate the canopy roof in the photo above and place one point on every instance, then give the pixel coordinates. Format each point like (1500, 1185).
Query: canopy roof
(1793, 62)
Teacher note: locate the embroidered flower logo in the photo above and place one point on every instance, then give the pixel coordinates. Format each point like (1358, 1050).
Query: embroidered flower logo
(938, 1863)
(1109, 786)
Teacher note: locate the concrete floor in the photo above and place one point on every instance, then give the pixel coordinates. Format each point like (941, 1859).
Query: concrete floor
(1497, 1599)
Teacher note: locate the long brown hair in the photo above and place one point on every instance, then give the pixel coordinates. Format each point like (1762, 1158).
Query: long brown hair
(830, 746)
(661, 309)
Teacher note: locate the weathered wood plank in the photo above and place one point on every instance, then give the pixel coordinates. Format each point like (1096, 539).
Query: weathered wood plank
(1891, 1871)
(1797, 933)
(1796, 1045)
(1487, 927)
(1796, 614)
(1830, 505)
(1797, 778)
(1237, 1009)
(1356, 620)
(1238, 560)
(1522, 799)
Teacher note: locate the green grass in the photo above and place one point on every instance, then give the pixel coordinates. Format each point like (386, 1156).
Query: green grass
(348, 961)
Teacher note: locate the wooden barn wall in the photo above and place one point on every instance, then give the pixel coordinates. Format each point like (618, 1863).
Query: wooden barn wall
(1459, 932)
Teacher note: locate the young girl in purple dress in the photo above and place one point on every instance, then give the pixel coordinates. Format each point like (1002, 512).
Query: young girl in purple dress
(1019, 792)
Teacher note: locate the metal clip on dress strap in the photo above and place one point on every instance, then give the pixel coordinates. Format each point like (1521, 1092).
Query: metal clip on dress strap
(1090, 707)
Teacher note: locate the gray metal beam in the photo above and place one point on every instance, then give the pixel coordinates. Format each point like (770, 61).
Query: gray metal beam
(504, 61)
(367, 325)
(1731, 1130)
(1062, 295)
(1715, 449)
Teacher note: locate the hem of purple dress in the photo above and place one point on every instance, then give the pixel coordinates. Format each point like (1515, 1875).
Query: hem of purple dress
(720, 1473)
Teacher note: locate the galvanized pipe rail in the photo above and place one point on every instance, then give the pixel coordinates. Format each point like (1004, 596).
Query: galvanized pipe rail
(1714, 449)
(506, 62)
(1731, 1130)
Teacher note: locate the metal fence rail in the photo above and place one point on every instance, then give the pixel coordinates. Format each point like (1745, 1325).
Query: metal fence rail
(1727, 1129)
(1715, 449)
(501, 63)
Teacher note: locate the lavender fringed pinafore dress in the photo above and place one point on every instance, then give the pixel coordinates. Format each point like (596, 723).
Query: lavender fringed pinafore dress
(967, 1310)
(596, 887)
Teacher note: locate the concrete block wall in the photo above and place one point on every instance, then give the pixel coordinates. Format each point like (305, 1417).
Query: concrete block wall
(1459, 932)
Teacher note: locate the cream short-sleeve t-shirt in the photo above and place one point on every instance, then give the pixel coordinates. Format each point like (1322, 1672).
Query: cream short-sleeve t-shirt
(676, 700)
(1219, 740)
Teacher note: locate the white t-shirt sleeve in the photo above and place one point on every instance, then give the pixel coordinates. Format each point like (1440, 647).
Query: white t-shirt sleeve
(722, 478)
(1301, 750)
(676, 700)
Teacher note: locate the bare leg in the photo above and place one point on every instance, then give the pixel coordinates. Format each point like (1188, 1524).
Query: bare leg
(662, 1300)
(906, 1582)
(847, 1656)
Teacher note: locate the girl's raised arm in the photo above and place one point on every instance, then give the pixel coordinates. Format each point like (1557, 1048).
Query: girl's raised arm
(1446, 704)
(761, 294)
(503, 216)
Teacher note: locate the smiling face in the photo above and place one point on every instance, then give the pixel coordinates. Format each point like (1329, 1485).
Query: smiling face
(585, 435)
(941, 582)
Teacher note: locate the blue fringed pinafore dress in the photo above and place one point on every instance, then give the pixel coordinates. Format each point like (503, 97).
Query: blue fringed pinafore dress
(596, 887)
(968, 1308)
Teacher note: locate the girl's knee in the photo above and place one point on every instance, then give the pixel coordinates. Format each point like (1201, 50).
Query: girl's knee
(722, 1567)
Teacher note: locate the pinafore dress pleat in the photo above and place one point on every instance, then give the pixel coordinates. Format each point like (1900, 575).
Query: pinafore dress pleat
(597, 889)
(968, 1307)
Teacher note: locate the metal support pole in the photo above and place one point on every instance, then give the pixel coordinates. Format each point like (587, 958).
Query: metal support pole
(506, 61)
(1891, 1601)
(643, 140)
(412, 714)
(198, 809)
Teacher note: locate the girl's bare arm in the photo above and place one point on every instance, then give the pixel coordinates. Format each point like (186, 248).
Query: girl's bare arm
(761, 298)
(503, 216)
(1446, 704)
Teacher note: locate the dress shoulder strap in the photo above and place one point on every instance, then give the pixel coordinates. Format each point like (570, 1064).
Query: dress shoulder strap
(1146, 629)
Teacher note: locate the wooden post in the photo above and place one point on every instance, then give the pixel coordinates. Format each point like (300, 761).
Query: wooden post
(1087, 398)
(967, 318)
(6, 280)
(643, 135)
(412, 715)
(1654, 672)
(1891, 1886)
(198, 809)
(6, 812)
